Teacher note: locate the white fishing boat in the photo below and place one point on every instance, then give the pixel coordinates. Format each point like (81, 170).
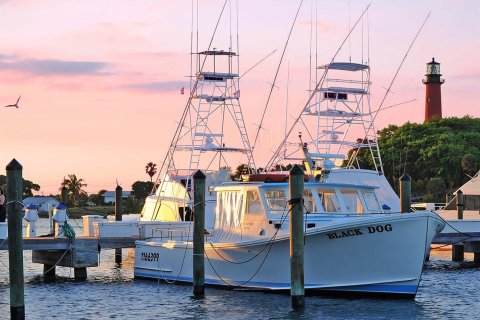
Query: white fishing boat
(351, 244)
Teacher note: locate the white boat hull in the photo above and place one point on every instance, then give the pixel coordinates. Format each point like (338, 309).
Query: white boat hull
(381, 253)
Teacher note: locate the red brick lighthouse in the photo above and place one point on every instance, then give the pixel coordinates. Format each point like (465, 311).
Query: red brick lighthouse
(433, 98)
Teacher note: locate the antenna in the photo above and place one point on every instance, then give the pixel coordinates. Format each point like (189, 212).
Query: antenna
(401, 64)
(349, 40)
(276, 74)
(286, 104)
(313, 93)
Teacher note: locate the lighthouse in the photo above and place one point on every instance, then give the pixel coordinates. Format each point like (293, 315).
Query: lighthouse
(433, 97)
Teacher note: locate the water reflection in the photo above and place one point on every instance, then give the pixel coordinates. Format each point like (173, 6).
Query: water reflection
(448, 290)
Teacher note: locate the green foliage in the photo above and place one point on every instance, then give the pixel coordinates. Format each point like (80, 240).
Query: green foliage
(96, 198)
(435, 188)
(132, 205)
(151, 169)
(469, 164)
(74, 187)
(28, 186)
(141, 189)
(445, 149)
(241, 170)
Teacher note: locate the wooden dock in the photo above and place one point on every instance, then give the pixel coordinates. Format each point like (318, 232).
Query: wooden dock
(461, 242)
(78, 253)
(52, 243)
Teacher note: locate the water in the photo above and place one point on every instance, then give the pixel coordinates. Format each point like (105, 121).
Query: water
(449, 290)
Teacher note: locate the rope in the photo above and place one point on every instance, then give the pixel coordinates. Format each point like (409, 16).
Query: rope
(76, 219)
(56, 263)
(467, 236)
(269, 245)
(282, 220)
(183, 259)
(68, 231)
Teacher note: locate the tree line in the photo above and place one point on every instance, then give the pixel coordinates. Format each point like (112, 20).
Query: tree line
(439, 155)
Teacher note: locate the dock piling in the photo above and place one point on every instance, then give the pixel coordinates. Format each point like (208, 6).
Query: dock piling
(118, 217)
(405, 193)
(297, 289)
(64, 196)
(15, 241)
(198, 234)
(448, 198)
(458, 249)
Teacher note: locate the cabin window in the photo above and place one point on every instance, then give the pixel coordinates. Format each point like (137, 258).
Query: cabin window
(276, 200)
(329, 200)
(229, 209)
(308, 201)
(371, 201)
(352, 201)
(254, 205)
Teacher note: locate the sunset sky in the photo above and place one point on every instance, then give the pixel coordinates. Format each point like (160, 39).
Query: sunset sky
(100, 80)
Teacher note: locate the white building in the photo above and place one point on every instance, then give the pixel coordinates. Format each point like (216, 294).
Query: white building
(109, 196)
(45, 204)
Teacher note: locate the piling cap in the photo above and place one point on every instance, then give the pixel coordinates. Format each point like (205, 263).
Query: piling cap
(296, 170)
(405, 177)
(118, 188)
(14, 165)
(199, 175)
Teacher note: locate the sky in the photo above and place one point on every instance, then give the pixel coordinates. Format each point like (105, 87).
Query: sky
(100, 81)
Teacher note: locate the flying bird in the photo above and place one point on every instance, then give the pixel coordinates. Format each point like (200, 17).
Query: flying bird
(14, 105)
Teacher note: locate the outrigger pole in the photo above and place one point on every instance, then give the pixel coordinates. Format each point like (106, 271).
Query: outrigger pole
(276, 155)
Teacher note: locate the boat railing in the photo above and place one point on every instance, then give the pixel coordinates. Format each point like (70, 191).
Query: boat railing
(182, 234)
(430, 206)
(170, 234)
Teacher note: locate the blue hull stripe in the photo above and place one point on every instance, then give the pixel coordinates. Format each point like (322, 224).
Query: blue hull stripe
(378, 288)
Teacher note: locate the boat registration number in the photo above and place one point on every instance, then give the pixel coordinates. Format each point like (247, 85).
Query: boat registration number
(149, 256)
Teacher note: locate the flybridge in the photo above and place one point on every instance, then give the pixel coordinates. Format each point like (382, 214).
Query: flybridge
(339, 104)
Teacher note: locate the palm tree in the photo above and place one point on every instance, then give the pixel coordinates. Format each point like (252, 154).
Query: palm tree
(74, 187)
(151, 169)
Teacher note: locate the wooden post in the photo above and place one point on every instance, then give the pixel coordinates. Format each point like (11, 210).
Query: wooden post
(118, 217)
(64, 196)
(297, 289)
(476, 258)
(459, 205)
(15, 240)
(458, 249)
(405, 193)
(80, 274)
(198, 234)
(49, 269)
(448, 198)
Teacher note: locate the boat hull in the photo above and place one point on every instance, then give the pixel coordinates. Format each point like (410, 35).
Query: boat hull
(381, 254)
